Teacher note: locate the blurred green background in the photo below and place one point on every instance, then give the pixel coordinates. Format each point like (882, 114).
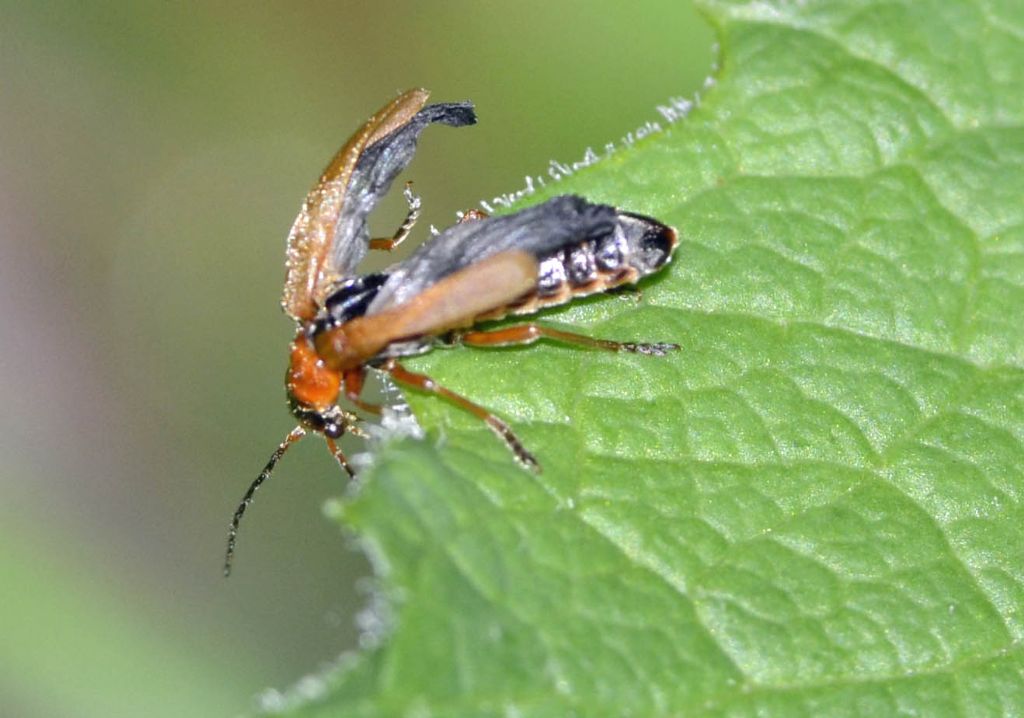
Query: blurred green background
(152, 158)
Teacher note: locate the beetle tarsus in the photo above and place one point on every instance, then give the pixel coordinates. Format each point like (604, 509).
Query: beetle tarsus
(523, 456)
(472, 215)
(415, 203)
(657, 349)
(424, 383)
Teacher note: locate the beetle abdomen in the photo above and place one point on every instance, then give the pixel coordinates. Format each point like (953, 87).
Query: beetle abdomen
(636, 246)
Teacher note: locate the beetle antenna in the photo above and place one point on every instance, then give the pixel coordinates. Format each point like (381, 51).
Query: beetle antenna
(294, 435)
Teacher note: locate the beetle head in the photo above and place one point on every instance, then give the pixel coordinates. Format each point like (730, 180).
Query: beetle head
(333, 422)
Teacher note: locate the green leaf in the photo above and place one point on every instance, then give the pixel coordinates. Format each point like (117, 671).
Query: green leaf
(815, 507)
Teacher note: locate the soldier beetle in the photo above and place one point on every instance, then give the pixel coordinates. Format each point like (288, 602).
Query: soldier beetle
(482, 268)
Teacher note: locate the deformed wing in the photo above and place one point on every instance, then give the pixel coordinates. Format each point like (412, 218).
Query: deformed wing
(377, 168)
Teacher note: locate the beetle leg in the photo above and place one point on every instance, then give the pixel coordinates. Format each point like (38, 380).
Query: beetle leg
(529, 333)
(471, 215)
(354, 387)
(414, 202)
(336, 451)
(499, 427)
(352, 428)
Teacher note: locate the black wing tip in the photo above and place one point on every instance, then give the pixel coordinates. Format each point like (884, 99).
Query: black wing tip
(654, 233)
(655, 239)
(453, 114)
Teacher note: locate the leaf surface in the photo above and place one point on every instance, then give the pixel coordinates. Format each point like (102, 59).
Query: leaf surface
(815, 507)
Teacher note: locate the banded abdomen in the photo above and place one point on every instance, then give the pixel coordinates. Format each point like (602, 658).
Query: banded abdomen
(636, 247)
